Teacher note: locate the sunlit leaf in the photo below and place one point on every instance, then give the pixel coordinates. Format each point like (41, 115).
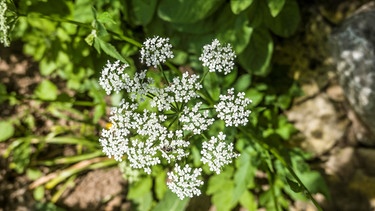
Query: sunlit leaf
(256, 57)
(46, 90)
(240, 5)
(171, 202)
(275, 6)
(6, 130)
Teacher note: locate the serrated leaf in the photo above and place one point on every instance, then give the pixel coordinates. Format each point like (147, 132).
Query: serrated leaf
(105, 17)
(238, 6)
(46, 90)
(221, 188)
(171, 202)
(186, 11)
(243, 176)
(109, 49)
(6, 130)
(275, 6)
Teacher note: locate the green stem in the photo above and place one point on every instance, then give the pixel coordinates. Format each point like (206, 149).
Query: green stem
(251, 134)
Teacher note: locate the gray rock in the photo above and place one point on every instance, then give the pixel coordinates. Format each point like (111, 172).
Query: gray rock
(353, 48)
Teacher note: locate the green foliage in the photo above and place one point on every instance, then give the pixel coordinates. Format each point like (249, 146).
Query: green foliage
(6, 130)
(71, 40)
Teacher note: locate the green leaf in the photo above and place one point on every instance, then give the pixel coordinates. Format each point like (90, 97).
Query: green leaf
(38, 193)
(243, 83)
(186, 11)
(221, 188)
(105, 17)
(294, 186)
(287, 21)
(256, 57)
(255, 96)
(47, 67)
(211, 85)
(171, 202)
(143, 10)
(314, 182)
(248, 201)
(230, 78)
(89, 39)
(275, 6)
(140, 188)
(160, 184)
(244, 175)
(6, 130)
(238, 6)
(21, 150)
(46, 90)
(233, 29)
(109, 49)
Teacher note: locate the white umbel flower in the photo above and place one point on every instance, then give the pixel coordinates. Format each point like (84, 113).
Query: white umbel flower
(233, 109)
(184, 182)
(156, 51)
(218, 58)
(4, 27)
(112, 77)
(216, 153)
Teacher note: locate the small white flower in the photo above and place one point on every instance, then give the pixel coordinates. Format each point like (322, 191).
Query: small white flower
(184, 182)
(4, 27)
(233, 109)
(156, 51)
(195, 121)
(218, 58)
(112, 77)
(216, 153)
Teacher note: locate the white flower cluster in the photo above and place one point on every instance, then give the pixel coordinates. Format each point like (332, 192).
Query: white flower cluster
(156, 51)
(218, 58)
(4, 27)
(232, 109)
(184, 181)
(157, 122)
(112, 77)
(216, 153)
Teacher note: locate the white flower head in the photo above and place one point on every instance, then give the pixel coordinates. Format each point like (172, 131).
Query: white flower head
(4, 27)
(217, 153)
(184, 182)
(156, 51)
(179, 90)
(233, 109)
(112, 77)
(218, 58)
(195, 121)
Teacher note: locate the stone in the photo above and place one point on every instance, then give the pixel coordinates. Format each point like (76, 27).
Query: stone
(319, 122)
(353, 49)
